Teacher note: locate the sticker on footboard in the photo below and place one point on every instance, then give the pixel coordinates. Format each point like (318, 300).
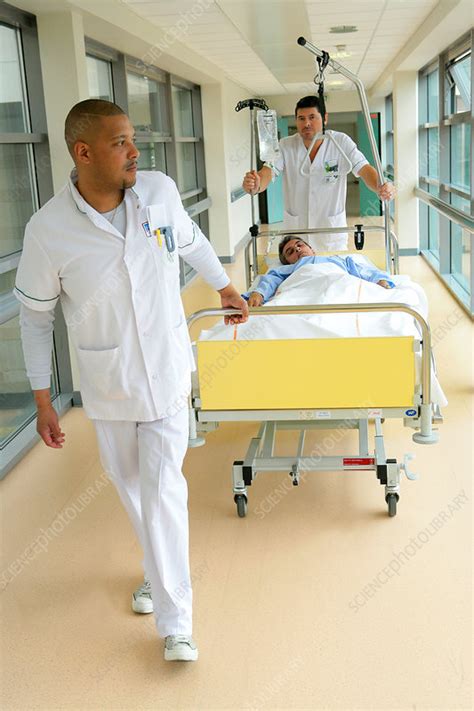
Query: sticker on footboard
(374, 413)
(315, 414)
(410, 413)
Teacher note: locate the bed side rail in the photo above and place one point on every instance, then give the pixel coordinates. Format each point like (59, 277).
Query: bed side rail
(251, 265)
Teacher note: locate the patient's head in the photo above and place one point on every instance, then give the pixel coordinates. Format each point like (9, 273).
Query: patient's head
(292, 248)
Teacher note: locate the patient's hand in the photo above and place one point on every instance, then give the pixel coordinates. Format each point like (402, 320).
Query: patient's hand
(384, 283)
(255, 299)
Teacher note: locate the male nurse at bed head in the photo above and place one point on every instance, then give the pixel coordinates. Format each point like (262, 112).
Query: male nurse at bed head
(107, 246)
(295, 253)
(314, 176)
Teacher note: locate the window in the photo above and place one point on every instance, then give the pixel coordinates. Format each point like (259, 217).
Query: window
(99, 78)
(445, 165)
(25, 184)
(458, 84)
(149, 112)
(147, 105)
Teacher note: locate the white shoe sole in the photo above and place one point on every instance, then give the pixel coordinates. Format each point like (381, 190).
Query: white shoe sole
(143, 608)
(181, 655)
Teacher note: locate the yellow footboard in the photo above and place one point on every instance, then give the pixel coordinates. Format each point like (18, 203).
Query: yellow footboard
(307, 373)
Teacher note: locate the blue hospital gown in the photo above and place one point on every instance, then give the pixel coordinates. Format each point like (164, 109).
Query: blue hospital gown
(270, 282)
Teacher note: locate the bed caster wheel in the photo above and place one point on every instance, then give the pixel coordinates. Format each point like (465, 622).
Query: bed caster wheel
(241, 502)
(392, 500)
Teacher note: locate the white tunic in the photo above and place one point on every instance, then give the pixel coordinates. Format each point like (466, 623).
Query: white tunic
(120, 296)
(315, 193)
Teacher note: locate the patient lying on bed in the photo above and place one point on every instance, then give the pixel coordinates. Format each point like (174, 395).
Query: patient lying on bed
(295, 253)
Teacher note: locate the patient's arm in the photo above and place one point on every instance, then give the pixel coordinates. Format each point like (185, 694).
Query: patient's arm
(368, 272)
(270, 282)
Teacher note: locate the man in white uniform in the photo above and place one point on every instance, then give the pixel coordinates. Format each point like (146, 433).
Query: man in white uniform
(314, 176)
(107, 246)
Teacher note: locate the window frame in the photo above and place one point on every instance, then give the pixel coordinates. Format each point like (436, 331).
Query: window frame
(20, 441)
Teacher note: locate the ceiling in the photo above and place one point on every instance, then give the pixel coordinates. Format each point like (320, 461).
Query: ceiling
(254, 41)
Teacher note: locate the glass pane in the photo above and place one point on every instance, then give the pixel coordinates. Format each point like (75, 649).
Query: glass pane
(423, 222)
(433, 231)
(423, 151)
(186, 158)
(460, 152)
(13, 104)
(17, 195)
(463, 204)
(389, 113)
(7, 282)
(433, 153)
(461, 256)
(183, 111)
(433, 95)
(459, 80)
(423, 99)
(99, 78)
(152, 156)
(390, 157)
(147, 104)
(16, 399)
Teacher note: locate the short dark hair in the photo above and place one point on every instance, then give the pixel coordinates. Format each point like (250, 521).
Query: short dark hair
(309, 102)
(285, 240)
(83, 115)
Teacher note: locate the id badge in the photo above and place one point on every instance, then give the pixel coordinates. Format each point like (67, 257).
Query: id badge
(331, 170)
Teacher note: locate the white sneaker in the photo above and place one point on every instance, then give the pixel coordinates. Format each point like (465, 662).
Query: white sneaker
(141, 599)
(180, 648)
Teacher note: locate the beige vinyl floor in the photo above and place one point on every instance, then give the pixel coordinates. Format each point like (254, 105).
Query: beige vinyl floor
(316, 600)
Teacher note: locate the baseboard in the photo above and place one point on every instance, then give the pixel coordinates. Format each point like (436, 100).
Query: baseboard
(408, 252)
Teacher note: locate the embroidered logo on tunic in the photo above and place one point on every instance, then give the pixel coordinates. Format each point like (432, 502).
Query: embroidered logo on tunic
(331, 169)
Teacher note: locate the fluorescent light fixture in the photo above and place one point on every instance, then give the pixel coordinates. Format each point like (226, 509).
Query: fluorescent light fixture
(343, 29)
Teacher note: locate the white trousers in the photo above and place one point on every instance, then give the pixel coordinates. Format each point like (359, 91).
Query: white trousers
(144, 460)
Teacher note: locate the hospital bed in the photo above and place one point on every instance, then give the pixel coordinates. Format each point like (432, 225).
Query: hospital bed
(249, 387)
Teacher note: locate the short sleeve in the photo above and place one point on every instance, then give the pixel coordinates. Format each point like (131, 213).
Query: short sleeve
(356, 157)
(277, 166)
(37, 285)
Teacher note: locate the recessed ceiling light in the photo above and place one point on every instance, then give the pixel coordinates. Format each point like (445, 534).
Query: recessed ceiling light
(335, 83)
(340, 53)
(343, 29)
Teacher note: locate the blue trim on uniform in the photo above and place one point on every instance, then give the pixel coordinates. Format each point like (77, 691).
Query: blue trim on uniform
(34, 298)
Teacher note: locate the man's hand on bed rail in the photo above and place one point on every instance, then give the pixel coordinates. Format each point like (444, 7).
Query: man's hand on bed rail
(231, 299)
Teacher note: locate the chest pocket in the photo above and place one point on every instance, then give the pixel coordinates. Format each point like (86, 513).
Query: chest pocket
(162, 239)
